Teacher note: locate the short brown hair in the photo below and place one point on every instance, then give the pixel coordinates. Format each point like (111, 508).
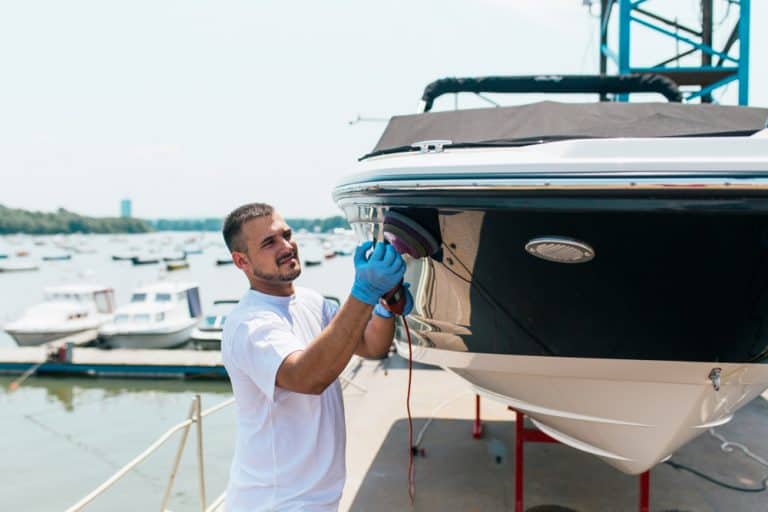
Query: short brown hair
(233, 224)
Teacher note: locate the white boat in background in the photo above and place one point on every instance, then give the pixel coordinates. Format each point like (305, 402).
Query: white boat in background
(160, 315)
(207, 335)
(311, 252)
(65, 310)
(18, 265)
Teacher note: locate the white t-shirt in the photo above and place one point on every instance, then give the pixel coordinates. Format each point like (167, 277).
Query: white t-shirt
(289, 454)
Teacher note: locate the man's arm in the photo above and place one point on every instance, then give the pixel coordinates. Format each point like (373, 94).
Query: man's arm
(377, 337)
(316, 367)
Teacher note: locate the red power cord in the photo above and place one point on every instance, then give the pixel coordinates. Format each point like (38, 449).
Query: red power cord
(411, 469)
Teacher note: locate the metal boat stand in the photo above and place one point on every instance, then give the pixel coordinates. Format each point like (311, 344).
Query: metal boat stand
(532, 435)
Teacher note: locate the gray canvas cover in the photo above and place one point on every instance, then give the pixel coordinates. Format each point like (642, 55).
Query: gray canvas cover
(548, 121)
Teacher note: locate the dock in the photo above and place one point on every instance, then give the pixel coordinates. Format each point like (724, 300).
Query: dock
(96, 362)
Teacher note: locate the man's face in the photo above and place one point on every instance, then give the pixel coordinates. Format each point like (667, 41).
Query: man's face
(271, 253)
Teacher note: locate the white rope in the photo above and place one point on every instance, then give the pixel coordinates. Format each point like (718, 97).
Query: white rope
(728, 446)
(424, 428)
(142, 456)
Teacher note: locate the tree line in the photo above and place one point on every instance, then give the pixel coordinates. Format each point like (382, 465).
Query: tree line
(322, 224)
(14, 220)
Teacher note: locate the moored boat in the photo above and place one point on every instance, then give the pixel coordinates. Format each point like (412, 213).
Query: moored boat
(172, 266)
(601, 267)
(161, 315)
(207, 334)
(14, 265)
(65, 310)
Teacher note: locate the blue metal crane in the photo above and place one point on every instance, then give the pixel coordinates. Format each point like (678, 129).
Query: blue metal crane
(709, 76)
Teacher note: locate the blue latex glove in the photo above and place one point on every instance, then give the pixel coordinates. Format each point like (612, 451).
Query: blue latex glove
(385, 313)
(378, 274)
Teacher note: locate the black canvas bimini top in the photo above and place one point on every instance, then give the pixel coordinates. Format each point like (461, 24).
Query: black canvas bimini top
(550, 121)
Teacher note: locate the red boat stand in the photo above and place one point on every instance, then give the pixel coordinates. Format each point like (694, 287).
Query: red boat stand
(532, 435)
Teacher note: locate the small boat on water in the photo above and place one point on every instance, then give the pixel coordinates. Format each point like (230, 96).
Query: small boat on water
(174, 265)
(143, 260)
(176, 256)
(12, 265)
(207, 335)
(57, 257)
(160, 315)
(124, 257)
(3, 256)
(193, 249)
(65, 310)
(311, 253)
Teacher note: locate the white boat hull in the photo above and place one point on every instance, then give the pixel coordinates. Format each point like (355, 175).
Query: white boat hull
(148, 340)
(632, 414)
(33, 338)
(206, 339)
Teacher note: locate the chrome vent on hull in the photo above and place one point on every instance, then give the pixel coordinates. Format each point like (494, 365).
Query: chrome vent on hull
(560, 249)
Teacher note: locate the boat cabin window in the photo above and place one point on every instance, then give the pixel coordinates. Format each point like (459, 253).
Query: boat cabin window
(122, 318)
(142, 317)
(163, 297)
(159, 317)
(181, 296)
(139, 297)
(103, 301)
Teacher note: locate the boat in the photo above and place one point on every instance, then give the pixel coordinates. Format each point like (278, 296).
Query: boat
(160, 315)
(3, 256)
(207, 334)
(145, 260)
(124, 257)
(65, 310)
(311, 252)
(601, 267)
(175, 257)
(193, 249)
(172, 266)
(12, 265)
(57, 257)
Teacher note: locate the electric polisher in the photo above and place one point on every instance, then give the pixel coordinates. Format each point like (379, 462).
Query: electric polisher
(407, 236)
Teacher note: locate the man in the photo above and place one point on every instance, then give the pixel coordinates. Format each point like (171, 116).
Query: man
(284, 348)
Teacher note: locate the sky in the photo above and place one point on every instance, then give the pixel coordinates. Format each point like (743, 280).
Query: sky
(191, 108)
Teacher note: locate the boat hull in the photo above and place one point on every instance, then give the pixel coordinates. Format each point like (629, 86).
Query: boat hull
(30, 338)
(613, 355)
(206, 339)
(148, 340)
(631, 414)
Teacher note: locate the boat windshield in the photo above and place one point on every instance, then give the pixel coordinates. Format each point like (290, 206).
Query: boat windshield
(139, 297)
(163, 297)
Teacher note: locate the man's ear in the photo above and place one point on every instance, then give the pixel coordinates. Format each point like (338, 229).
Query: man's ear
(240, 260)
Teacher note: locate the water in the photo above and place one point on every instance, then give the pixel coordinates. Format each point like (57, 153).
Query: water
(63, 437)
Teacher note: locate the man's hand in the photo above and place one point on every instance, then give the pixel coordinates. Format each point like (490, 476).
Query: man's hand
(377, 274)
(383, 312)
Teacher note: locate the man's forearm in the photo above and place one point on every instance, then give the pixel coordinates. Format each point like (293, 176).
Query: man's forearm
(313, 369)
(377, 337)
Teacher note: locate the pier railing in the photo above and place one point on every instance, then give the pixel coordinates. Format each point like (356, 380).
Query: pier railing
(195, 416)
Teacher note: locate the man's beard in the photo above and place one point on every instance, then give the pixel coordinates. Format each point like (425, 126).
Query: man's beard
(279, 276)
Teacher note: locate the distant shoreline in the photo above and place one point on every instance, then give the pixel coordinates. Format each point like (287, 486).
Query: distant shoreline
(18, 221)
